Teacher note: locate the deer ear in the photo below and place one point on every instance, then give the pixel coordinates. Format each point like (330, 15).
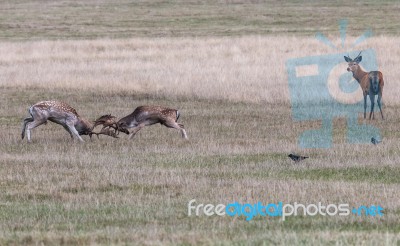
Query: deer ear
(358, 59)
(347, 59)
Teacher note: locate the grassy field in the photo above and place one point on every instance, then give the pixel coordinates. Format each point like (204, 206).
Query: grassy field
(229, 83)
(116, 190)
(91, 19)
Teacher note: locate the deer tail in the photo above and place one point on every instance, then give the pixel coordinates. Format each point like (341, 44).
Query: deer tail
(374, 80)
(177, 115)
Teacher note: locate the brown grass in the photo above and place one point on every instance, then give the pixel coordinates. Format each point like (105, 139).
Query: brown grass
(250, 69)
(233, 96)
(212, 61)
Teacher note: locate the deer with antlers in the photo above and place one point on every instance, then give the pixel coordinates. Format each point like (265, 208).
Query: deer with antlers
(62, 114)
(148, 115)
(371, 83)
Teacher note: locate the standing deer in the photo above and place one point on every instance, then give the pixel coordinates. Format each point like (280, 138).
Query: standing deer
(371, 83)
(148, 115)
(62, 114)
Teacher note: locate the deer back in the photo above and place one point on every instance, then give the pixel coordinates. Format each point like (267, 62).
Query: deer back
(56, 107)
(60, 112)
(154, 113)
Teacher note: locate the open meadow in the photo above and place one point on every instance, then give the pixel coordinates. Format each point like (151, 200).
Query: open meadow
(223, 66)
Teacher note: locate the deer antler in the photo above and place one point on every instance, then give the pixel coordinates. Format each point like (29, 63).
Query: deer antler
(105, 131)
(108, 121)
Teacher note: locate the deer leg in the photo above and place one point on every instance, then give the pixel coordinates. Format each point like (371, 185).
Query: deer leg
(67, 129)
(177, 126)
(379, 104)
(365, 105)
(72, 129)
(183, 134)
(26, 121)
(135, 130)
(32, 125)
(183, 131)
(372, 98)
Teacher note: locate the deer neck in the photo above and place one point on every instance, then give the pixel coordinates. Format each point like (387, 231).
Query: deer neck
(359, 74)
(84, 126)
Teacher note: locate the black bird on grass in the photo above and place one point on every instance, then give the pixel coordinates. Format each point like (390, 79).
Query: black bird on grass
(375, 141)
(297, 158)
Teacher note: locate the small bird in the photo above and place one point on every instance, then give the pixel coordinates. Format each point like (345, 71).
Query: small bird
(375, 141)
(297, 158)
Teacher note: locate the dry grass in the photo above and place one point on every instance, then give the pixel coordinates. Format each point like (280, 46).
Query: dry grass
(115, 190)
(250, 69)
(233, 96)
(212, 61)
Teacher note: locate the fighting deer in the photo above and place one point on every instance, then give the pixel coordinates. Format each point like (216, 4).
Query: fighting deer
(148, 115)
(371, 83)
(62, 114)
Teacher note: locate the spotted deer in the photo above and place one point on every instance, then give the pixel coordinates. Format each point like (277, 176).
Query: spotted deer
(371, 83)
(148, 115)
(62, 114)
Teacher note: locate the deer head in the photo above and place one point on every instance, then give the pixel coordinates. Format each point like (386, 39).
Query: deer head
(353, 63)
